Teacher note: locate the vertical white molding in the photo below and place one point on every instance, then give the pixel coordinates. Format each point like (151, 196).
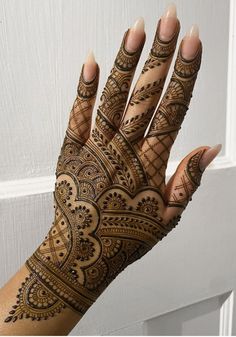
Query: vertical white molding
(226, 316)
(231, 86)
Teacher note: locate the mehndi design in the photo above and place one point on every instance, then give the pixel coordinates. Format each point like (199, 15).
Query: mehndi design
(109, 193)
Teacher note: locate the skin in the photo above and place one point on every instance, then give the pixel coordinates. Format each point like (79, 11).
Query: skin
(64, 322)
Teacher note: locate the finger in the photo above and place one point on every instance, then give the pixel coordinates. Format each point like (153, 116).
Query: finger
(186, 180)
(172, 109)
(115, 93)
(81, 114)
(148, 89)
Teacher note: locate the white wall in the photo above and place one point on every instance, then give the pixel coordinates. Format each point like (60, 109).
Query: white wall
(42, 47)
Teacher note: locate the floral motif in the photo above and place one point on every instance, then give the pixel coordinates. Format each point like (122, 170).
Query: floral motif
(114, 201)
(64, 190)
(85, 249)
(82, 216)
(149, 206)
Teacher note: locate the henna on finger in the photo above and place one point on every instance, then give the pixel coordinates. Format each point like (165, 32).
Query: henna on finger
(148, 89)
(110, 208)
(115, 94)
(169, 117)
(81, 112)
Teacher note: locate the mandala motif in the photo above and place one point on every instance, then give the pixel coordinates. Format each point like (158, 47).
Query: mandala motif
(64, 190)
(85, 249)
(34, 301)
(82, 215)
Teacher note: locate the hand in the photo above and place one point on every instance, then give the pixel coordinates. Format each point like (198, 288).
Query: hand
(112, 204)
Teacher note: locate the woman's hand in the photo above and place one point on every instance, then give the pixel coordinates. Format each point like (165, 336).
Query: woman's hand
(112, 203)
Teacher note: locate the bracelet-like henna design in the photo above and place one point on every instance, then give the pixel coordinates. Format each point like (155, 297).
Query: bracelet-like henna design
(161, 50)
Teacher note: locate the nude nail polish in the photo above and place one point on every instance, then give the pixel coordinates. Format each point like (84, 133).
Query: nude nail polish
(168, 23)
(135, 36)
(90, 67)
(190, 43)
(209, 155)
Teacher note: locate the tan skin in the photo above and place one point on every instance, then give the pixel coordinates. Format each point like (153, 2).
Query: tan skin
(63, 323)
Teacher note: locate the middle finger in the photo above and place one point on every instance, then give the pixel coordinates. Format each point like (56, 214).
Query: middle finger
(148, 89)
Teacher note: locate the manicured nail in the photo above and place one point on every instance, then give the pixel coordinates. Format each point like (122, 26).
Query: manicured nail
(209, 155)
(135, 36)
(190, 43)
(90, 67)
(168, 23)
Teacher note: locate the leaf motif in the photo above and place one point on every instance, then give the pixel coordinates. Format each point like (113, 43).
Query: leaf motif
(137, 122)
(147, 91)
(151, 63)
(8, 319)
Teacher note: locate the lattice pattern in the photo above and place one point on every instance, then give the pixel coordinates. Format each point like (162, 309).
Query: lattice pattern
(168, 119)
(81, 112)
(57, 243)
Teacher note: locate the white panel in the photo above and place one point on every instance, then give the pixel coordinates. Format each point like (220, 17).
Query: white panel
(199, 319)
(30, 107)
(43, 45)
(24, 222)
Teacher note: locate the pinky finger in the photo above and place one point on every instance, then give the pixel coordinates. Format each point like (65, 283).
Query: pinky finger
(186, 180)
(81, 113)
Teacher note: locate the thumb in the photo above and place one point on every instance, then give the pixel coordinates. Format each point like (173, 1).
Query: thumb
(186, 179)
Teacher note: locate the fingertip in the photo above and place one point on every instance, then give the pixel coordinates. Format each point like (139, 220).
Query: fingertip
(136, 36)
(190, 43)
(209, 155)
(90, 67)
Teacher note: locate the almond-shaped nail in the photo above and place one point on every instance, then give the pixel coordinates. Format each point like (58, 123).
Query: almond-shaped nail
(135, 36)
(190, 43)
(209, 155)
(90, 67)
(168, 23)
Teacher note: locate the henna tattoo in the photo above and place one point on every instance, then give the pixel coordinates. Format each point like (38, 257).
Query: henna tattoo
(147, 91)
(81, 113)
(115, 93)
(169, 117)
(188, 182)
(146, 95)
(135, 127)
(34, 301)
(109, 199)
(96, 232)
(161, 50)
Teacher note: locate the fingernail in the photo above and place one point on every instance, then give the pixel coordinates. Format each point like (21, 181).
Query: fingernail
(168, 23)
(135, 36)
(209, 155)
(90, 67)
(190, 43)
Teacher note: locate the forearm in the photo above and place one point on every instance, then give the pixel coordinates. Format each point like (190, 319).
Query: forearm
(57, 324)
